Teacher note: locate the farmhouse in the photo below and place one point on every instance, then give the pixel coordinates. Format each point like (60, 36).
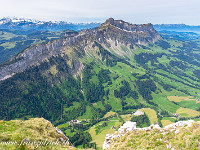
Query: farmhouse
(74, 122)
(176, 114)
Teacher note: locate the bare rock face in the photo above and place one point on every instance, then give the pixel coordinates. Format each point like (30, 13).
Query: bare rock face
(115, 30)
(29, 57)
(128, 26)
(119, 32)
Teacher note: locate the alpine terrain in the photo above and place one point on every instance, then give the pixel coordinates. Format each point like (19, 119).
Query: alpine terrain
(88, 83)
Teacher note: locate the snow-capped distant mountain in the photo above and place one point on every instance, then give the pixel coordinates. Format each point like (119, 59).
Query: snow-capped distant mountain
(15, 20)
(32, 24)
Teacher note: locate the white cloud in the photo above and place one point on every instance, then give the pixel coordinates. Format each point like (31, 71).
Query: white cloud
(137, 11)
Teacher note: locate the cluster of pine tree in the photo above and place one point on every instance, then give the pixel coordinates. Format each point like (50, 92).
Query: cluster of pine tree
(37, 93)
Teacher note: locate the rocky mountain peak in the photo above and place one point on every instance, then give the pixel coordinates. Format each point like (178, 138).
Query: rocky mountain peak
(109, 21)
(128, 26)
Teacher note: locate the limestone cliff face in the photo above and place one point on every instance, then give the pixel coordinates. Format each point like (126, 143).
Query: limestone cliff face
(30, 56)
(117, 31)
(132, 33)
(128, 26)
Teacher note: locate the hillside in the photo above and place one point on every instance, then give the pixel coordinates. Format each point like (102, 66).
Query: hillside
(36, 133)
(101, 77)
(182, 135)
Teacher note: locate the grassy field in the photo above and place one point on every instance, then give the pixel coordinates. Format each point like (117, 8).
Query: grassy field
(151, 114)
(166, 122)
(63, 125)
(189, 104)
(172, 119)
(127, 117)
(100, 138)
(186, 112)
(180, 98)
(53, 70)
(99, 105)
(8, 45)
(110, 113)
(87, 114)
(164, 103)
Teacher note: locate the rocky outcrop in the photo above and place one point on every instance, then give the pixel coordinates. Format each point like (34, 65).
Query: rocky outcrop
(180, 124)
(131, 126)
(138, 113)
(128, 126)
(31, 132)
(61, 136)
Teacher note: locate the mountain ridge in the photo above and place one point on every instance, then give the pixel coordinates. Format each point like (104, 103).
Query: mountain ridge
(177, 27)
(33, 24)
(139, 35)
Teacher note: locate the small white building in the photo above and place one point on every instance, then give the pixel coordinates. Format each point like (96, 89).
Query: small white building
(74, 122)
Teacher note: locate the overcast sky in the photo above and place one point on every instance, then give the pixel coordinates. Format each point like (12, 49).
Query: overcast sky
(134, 11)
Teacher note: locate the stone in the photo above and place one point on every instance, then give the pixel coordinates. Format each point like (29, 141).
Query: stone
(128, 126)
(138, 113)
